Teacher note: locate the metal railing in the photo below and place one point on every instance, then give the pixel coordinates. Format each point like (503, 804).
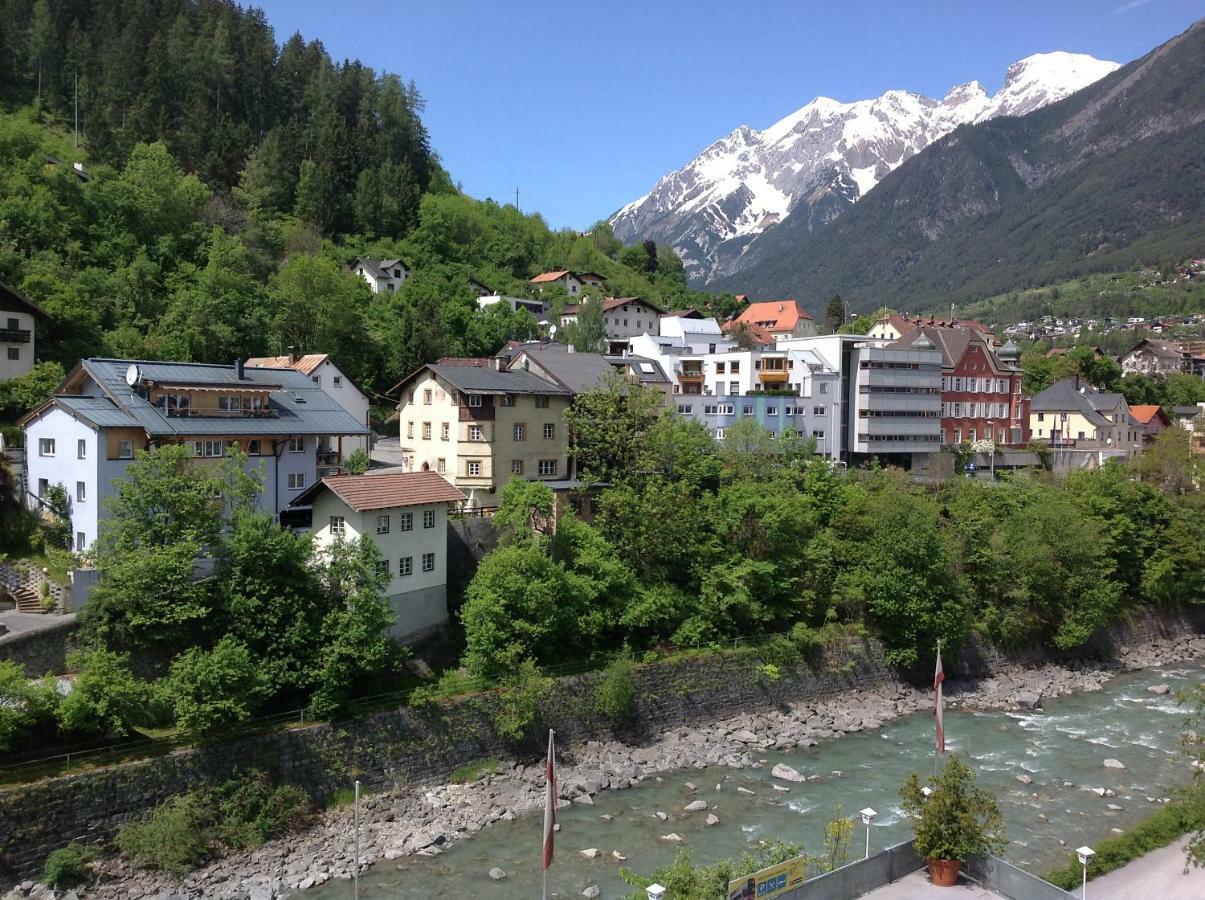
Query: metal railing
(15, 335)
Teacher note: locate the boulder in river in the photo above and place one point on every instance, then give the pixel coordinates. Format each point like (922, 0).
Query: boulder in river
(712, 819)
(589, 852)
(497, 874)
(1114, 764)
(786, 773)
(1159, 688)
(672, 838)
(695, 806)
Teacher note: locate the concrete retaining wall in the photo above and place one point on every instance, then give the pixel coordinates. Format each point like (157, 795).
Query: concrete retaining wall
(857, 878)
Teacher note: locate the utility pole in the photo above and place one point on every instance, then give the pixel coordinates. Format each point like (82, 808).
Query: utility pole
(77, 109)
(516, 199)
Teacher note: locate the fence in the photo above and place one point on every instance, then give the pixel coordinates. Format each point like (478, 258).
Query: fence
(1004, 878)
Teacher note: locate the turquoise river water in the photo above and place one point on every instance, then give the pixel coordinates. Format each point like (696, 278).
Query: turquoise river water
(1067, 741)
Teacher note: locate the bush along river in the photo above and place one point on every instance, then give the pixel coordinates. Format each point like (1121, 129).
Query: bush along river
(1072, 754)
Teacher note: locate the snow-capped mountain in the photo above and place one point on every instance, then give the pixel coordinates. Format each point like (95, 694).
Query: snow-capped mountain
(820, 159)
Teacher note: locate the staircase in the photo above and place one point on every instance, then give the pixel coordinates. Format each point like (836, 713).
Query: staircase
(22, 586)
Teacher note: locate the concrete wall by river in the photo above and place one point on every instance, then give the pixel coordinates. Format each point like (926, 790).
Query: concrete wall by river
(404, 746)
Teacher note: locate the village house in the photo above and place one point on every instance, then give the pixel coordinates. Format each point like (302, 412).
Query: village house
(780, 318)
(1152, 357)
(981, 395)
(623, 319)
(322, 370)
(893, 326)
(384, 276)
(481, 425)
(1151, 419)
(406, 515)
(1074, 416)
(573, 282)
(18, 335)
(581, 372)
(537, 308)
(106, 410)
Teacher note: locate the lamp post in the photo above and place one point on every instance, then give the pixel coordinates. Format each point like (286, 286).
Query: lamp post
(655, 891)
(868, 815)
(1085, 854)
(926, 792)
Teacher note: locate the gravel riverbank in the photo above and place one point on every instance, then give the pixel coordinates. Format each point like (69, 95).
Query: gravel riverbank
(428, 819)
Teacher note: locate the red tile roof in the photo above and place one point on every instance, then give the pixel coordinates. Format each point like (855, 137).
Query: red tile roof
(1144, 412)
(550, 276)
(782, 315)
(304, 364)
(366, 492)
(756, 333)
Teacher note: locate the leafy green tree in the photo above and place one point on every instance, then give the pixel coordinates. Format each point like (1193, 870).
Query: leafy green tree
(105, 696)
(525, 509)
(834, 314)
(608, 424)
(213, 690)
(358, 462)
(586, 333)
(24, 704)
(21, 394)
(319, 308)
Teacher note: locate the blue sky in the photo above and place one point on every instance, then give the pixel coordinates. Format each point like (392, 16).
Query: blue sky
(583, 105)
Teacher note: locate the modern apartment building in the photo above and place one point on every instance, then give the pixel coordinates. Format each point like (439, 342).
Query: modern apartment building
(106, 410)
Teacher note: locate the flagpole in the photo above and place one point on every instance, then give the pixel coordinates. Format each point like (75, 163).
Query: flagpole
(550, 798)
(937, 709)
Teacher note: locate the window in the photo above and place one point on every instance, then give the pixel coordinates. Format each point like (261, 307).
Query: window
(13, 324)
(508, 399)
(428, 562)
(734, 388)
(549, 431)
(957, 435)
(971, 435)
(441, 466)
(382, 524)
(253, 448)
(684, 409)
(747, 409)
(14, 353)
(43, 487)
(520, 431)
(548, 467)
(972, 385)
(958, 414)
(1081, 435)
(516, 467)
(382, 566)
(80, 542)
(337, 380)
(405, 522)
(719, 434)
(541, 403)
(426, 431)
(317, 379)
(405, 565)
(81, 492)
(475, 400)
(719, 368)
(824, 387)
(81, 449)
(726, 409)
(410, 429)
(476, 433)
(444, 431)
(819, 435)
(338, 526)
(46, 447)
(817, 410)
(472, 468)
(297, 445)
(771, 410)
(734, 367)
(426, 397)
(296, 481)
(428, 518)
(1041, 417)
(958, 385)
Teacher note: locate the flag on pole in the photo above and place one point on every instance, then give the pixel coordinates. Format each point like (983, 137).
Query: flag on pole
(938, 677)
(549, 801)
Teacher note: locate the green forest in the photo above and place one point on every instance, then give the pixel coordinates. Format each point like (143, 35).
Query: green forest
(229, 181)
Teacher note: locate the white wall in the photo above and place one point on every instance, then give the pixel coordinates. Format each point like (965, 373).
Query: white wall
(12, 368)
(336, 385)
(67, 469)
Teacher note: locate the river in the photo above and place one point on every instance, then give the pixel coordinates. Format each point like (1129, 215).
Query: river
(1062, 748)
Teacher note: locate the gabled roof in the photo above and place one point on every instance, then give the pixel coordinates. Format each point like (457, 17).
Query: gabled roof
(377, 267)
(757, 334)
(305, 364)
(610, 304)
(1063, 396)
(647, 371)
(1162, 349)
(10, 297)
(575, 372)
(954, 342)
(100, 412)
(545, 277)
(368, 492)
(1145, 413)
(298, 405)
(469, 377)
(682, 314)
(775, 315)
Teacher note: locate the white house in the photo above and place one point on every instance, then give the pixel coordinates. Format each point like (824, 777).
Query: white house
(573, 282)
(406, 515)
(623, 319)
(383, 275)
(537, 308)
(108, 409)
(321, 369)
(17, 333)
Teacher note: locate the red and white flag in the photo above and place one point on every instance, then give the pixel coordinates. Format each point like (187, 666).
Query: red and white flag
(550, 796)
(938, 677)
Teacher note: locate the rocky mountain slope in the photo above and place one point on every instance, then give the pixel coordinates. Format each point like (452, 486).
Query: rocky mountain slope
(819, 160)
(1108, 178)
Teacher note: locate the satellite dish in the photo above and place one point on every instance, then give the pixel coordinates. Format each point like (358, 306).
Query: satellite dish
(552, 331)
(133, 375)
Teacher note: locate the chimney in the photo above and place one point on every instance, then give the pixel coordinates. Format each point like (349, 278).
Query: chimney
(238, 369)
(292, 354)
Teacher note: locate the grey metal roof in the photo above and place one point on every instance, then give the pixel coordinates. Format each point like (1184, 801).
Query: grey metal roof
(488, 380)
(1062, 396)
(579, 372)
(100, 411)
(637, 364)
(301, 406)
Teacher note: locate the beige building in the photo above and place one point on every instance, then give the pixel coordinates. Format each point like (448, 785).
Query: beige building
(17, 333)
(1075, 416)
(406, 516)
(479, 427)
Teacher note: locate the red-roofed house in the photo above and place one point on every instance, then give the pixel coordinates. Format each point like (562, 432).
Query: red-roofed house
(757, 337)
(406, 515)
(573, 282)
(781, 318)
(1152, 419)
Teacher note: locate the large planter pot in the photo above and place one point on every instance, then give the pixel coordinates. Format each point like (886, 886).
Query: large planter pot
(944, 872)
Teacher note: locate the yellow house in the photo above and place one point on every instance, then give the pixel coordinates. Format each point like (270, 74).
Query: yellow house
(479, 426)
(1069, 415)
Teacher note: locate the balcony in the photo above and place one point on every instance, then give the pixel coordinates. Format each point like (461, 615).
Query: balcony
(190, 413)
(772, 376)
(15, 335)
(328, 458)
(476, 413)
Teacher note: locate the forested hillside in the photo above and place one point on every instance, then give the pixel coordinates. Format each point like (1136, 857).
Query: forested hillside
(228, 184)
(1106, 179)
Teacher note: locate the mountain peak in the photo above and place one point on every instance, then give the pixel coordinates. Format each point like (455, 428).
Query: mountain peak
(714, 208)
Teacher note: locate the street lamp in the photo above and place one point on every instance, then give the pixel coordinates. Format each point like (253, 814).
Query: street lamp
(1085, 854)
(868, 815)
(655, 891)
(926, 792)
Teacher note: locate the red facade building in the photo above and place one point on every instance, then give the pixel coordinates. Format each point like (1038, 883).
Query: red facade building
(981, 395)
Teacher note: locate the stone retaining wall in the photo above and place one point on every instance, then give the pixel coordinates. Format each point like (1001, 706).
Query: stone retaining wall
(404, 746)
(42, 651)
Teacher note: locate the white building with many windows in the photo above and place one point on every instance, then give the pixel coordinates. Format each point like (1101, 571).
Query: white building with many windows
(406, 515)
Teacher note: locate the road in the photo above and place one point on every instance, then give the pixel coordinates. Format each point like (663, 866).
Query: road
(1159, 874)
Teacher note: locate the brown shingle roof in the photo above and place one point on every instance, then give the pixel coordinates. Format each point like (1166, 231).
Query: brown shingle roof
(304, 364)
(366, 492)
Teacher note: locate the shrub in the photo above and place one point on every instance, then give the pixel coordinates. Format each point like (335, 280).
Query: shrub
(779, 652)
(253, 810)
(767, 673)
(958, 819)
(518, 701)
(474, 770)
(215, 690)
(176, 837)
(357, 462)
(105, 696)
(807, 640)
(67, 866)
(616, 691)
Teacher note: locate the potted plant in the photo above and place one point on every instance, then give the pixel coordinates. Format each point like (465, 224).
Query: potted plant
(954, 821)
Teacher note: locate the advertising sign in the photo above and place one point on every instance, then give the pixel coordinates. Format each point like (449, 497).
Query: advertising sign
(768, 883)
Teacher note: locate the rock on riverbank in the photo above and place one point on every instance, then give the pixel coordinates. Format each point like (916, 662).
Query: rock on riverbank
(427, 820)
